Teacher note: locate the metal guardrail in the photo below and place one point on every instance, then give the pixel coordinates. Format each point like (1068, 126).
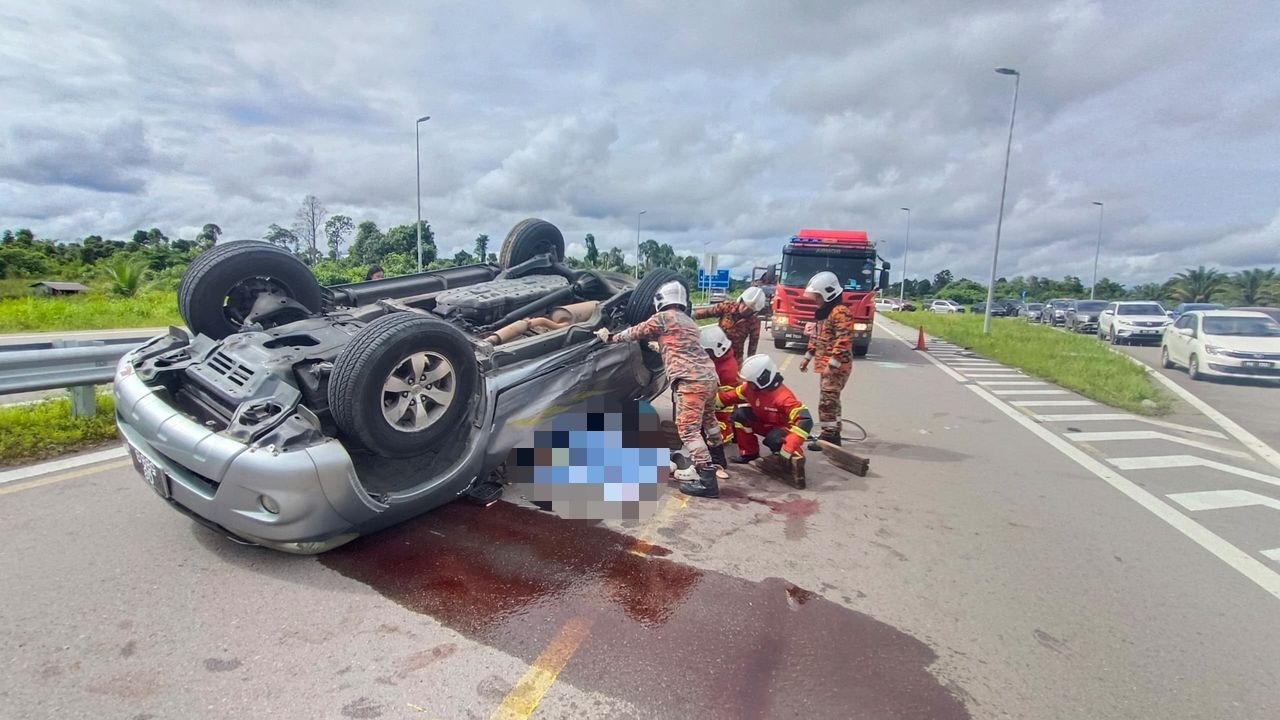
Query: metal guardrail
(75, 364)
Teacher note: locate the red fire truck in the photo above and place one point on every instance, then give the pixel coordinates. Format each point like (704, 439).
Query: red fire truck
(848, 254)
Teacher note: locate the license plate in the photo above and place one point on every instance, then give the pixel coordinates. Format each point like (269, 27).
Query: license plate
(1257, 364)
(151, 472)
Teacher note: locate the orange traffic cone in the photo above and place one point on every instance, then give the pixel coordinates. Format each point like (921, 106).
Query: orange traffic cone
(920, 340)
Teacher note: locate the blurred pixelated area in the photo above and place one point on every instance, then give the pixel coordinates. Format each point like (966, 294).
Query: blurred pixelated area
(599, 460)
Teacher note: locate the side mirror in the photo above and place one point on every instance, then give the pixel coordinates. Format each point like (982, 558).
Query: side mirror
(1189, 332)
(884, 278)
(886, 265)
(1107, 312)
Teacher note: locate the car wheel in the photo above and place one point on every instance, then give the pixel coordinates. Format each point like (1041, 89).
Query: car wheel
(640, 305)
(1165, 362)
(1115, 339)
(529, 238)
(220, 288)
(780, 344)
(1193, 368)
(402, 384)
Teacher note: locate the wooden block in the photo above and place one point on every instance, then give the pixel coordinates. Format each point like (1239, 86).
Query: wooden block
(790, 472)
(844, 459)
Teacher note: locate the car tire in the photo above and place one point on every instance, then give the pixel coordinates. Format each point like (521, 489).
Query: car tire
(1115, 339)
(219, 287)
(640, 305)
(861, 350)
(1165, 362)
(1193, 368)
(529, 238)
(380, 362)
(779, 344)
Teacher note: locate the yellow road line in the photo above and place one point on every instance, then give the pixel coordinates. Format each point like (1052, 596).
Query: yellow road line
(785, 362)
(64, 476)
(525, 696)
(644, 541)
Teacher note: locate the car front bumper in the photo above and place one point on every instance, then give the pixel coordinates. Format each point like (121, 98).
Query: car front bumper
(1138, 334)
(1233, 367)
(314, 491)
(789, 333)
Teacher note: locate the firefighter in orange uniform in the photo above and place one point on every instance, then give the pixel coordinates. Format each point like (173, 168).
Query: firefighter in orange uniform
(717, 346)
(767, 408)
(740, 320)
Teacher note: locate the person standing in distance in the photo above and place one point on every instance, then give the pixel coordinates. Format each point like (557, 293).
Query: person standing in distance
(740, 320)
(831, 350)
(692, 376)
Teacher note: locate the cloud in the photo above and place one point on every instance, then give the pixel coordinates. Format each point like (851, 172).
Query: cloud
(732, 127)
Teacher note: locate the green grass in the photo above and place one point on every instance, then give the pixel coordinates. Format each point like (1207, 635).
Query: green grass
(47, 429)
(1076, 362)
(89, 311)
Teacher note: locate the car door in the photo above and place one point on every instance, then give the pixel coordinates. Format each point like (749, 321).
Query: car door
(1107, 319)
(1178, 341)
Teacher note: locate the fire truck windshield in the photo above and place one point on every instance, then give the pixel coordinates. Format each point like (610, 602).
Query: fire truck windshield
(855, 272)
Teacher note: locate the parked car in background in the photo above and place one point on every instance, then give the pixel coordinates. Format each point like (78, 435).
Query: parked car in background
(1181, 308)
(1055, 311)
(717, 296)
(1130, 322)
(978, 308)
(884, 304)
(1031, 312)
(1082, 315)
(1272, 312)
(1223, 343)
(1012, 307)
(945, 306)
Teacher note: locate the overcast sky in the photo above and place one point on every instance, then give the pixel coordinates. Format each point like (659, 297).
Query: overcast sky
(733, 124)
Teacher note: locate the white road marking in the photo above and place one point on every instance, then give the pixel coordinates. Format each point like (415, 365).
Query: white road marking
(31, 471)
(1242, 562)
(1052, 403)
(1160, 462)
(1006, 374)
(1233, 429)
(1031, 392)
(1151, 435)
(1012, 382)
(1273, 554)
(1222, 500)
(1088, 417)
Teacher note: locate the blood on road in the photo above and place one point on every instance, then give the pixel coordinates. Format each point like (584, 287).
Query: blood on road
(670, 639)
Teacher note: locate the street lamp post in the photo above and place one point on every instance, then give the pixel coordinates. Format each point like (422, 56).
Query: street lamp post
(417, 166)
(1094, 288)
(1004, 184)
(906, 243)
(638, 242)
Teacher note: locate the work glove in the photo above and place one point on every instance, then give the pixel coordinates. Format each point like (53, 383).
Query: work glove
(833, 363)
(804, 364)
(603, 334)
(655, 347)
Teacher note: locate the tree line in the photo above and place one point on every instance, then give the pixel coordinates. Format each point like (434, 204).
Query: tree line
(337, 248)
(1253, 287)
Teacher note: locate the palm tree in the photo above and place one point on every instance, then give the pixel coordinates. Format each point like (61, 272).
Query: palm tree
(126, 276)
(1149, 291)
(1198, 285)
(1254, 287)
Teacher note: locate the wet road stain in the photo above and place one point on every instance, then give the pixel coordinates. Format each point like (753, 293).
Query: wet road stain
(670, 639)
(220, 665)
(794, 509)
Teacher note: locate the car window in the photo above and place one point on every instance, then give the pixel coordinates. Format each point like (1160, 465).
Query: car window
(1184, 321)
(1241, 326)
(1143, 309)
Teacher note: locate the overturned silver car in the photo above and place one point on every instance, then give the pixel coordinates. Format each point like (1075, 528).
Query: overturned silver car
(299, 417)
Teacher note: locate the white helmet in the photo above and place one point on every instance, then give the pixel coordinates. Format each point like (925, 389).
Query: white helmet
(753, 297)
(714, 339)
(825, 284)
(759, 370)
(671, 293)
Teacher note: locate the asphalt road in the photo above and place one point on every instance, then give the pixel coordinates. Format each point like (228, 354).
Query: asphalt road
(1255, 404)
(1006, 557)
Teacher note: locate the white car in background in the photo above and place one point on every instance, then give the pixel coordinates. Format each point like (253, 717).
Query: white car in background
(1131, 322)
(945, 306)
(1223, 343)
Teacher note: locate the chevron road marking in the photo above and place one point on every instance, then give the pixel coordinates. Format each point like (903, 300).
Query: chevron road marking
(1150, 435)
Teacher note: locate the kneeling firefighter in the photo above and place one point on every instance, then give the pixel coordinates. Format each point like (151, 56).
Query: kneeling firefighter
(766, 407)
(693, 378)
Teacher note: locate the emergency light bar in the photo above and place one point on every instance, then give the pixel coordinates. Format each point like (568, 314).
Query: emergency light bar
(831, 237)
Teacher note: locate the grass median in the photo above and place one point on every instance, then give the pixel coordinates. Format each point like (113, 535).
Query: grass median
(90, 311)
(47, 429)
(1076, 362)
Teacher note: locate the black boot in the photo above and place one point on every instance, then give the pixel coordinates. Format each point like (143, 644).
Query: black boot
(744, 459)
(705, 486)
(717, 456)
